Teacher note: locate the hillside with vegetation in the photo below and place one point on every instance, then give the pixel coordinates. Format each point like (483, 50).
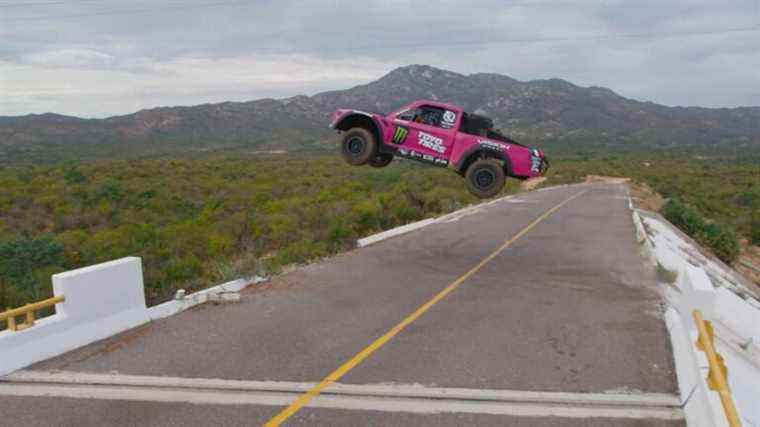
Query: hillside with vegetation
(199, 220)
(196, 221)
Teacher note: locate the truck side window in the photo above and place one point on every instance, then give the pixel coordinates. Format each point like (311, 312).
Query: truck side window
(407, 115)
(431, 116)
(475, 125)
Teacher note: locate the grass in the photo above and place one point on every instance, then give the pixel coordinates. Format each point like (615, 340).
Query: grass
(665, 275)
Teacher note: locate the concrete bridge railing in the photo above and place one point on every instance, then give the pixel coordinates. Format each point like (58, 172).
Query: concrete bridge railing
(98, 302)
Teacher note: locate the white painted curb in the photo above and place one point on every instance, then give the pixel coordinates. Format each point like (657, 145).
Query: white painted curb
(177, 305)
(387, 234)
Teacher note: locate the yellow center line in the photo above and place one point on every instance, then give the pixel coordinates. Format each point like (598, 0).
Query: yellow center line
(335, 375)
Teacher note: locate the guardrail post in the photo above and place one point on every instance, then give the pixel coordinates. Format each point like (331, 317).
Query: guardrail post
(717, 378)
(29, 319)
(12, 323)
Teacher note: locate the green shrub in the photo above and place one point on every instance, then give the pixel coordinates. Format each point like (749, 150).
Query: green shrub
(683, 217)
(110, 190)
(720, 238)
(754, 233)
(73, 176)
(22, 262)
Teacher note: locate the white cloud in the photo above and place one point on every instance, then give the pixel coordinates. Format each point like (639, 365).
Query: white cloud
(111, 56)
(50, 82)
(69, 58)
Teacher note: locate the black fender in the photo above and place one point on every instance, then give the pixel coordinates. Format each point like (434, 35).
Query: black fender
(478, 151)
(366, 121)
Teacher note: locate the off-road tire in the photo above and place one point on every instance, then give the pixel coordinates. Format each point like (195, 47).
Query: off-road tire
(358, 146)
(485, 178)
(381, 160)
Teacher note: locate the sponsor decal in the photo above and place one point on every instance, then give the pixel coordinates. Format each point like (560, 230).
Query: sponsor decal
(432, 142)
(426, 158)
(399, 134)
(492, 145)
(449, 118)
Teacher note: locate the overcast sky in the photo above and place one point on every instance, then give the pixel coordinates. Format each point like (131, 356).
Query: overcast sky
(95, 58)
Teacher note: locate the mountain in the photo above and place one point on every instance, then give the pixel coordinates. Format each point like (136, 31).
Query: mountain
(535, 111)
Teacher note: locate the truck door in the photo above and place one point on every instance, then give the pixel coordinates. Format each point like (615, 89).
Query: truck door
(425, 133)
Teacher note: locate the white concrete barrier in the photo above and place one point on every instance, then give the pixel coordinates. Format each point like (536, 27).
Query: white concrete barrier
(734, 312)
(697, 290)
(641, 233)
(710, 287)
(101, 300)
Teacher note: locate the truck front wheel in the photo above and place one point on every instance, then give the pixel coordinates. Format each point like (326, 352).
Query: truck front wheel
(358, 146)
(485, 178)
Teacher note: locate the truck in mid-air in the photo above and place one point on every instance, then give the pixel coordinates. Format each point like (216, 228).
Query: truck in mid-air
(440, 134)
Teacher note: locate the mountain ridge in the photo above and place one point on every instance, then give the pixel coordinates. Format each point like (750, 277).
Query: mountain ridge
(534, 110)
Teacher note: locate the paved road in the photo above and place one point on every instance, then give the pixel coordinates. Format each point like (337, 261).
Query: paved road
(568, 307)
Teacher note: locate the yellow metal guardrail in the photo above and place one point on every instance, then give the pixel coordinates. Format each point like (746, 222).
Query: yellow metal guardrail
(717, 377)
(28, 311)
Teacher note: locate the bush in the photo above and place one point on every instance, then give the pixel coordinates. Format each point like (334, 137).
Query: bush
(21, 261)
(720, 238)
(754, 233)
(73, 176)
(683, 217)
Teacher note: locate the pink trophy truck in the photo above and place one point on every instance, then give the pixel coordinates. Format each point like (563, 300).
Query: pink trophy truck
(442, 135)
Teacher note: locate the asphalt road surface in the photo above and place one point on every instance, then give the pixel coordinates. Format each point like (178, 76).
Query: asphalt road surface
(543, 292)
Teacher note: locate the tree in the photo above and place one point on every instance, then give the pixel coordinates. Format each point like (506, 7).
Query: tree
(20, 261)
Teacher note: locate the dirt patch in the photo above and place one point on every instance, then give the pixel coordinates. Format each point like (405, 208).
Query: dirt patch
(530, 184)
(748, 264)
(644, 197)
(607, 179)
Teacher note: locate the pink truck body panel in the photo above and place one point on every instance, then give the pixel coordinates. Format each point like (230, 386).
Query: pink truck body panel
(445, 144)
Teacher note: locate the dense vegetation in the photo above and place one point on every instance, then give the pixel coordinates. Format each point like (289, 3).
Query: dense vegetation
(196, 221)
(720, 238)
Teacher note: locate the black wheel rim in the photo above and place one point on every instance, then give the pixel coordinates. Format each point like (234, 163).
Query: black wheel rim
(355, 146)
(484, 178)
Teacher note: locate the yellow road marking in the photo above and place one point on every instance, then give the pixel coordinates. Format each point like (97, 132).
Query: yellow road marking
(335, 375)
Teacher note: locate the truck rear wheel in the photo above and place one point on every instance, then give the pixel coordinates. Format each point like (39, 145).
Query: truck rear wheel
(381, 160)
(485, 178)
(358, 146)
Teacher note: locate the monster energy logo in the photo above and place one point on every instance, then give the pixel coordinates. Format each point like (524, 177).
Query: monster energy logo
(400, 134)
